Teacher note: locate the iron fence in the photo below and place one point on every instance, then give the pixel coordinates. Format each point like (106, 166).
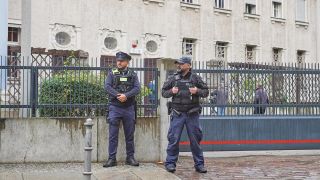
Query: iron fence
(68, 86)
(57, 85)
(292, 89)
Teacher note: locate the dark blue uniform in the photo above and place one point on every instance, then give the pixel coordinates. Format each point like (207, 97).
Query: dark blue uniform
(185, 110)
(125, 82)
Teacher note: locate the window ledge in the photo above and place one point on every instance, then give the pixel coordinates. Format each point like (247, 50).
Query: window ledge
(218, 11)
(302, 24)
(12, 43)
(278, 20)
(251, 16)
(184, 6)
(160, 2)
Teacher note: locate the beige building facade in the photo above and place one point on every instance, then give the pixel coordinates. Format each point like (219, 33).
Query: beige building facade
(254, 31)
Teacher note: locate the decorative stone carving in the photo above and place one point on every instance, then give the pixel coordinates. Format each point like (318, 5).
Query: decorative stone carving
(110, 41)
(63, 36)
(152, 45)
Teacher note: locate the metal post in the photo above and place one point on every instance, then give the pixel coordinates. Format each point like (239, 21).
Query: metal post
(34, 91)
(26, 35)
(88, 148)
(318, 30)
(3, 43)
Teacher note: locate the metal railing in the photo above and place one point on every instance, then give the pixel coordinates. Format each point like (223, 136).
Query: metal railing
(292, 89)
(69, 87)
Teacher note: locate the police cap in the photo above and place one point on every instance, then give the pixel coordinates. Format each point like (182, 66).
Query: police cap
(120, 56)
(183, 60)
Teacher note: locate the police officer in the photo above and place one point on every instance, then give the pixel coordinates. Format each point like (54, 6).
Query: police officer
(185, 88)
(122, 85)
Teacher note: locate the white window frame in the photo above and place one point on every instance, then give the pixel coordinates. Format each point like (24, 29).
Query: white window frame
(277, 55)
(251, 55)
(250, 4)
(301, 56)
(15, 43)
(190, 1)
(280, 10)
(221, 4)
(305, 11)
(186, 50)
(221, 50)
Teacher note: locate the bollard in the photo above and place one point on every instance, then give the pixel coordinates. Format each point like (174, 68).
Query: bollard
(88, 149)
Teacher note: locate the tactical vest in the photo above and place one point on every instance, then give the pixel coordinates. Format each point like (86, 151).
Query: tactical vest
(184, 101)
(123, 82)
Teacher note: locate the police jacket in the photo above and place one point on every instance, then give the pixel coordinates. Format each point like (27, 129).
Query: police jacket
(183, 101)
(122, 82)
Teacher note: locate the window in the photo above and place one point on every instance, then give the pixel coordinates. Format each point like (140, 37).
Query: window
(63, 38)
(13, 51)
(277, 54)
(301, 14)
(188, 48)
(13, 60)
(301, 55)
(250, 54)
(250, 8)
(276, 9)
(221, 51)
(13, 35)
(220, 4)
(110, 43)
(187, 1)
(151, 46)
(108, 61)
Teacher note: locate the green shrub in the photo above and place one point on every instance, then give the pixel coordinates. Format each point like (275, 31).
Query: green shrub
(76, 87)
(72, 87)
(144, 91)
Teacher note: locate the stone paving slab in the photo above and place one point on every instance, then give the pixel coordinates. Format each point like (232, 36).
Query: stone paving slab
(143, 172)
(224, 168)
(73, 171)
(253, 167)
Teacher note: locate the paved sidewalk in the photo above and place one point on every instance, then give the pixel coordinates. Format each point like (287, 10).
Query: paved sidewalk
(73, 171)
(225, 168)
(253, 167)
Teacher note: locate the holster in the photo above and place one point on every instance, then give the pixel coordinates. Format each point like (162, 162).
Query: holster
(195, 110)
(107, 113)
(135, 110)
(169, 106)
(176, 112)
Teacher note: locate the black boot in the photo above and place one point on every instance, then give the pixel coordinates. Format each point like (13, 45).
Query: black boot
(201, 169)
(170, 168)
(132, 162)
(110, 163)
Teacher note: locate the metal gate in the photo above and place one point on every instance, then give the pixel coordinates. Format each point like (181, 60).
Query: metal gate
(292, 117)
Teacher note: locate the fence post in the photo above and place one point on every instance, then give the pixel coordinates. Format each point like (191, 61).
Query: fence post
(34, 91)
(164, 66)
(88, 149)
(3, 43)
